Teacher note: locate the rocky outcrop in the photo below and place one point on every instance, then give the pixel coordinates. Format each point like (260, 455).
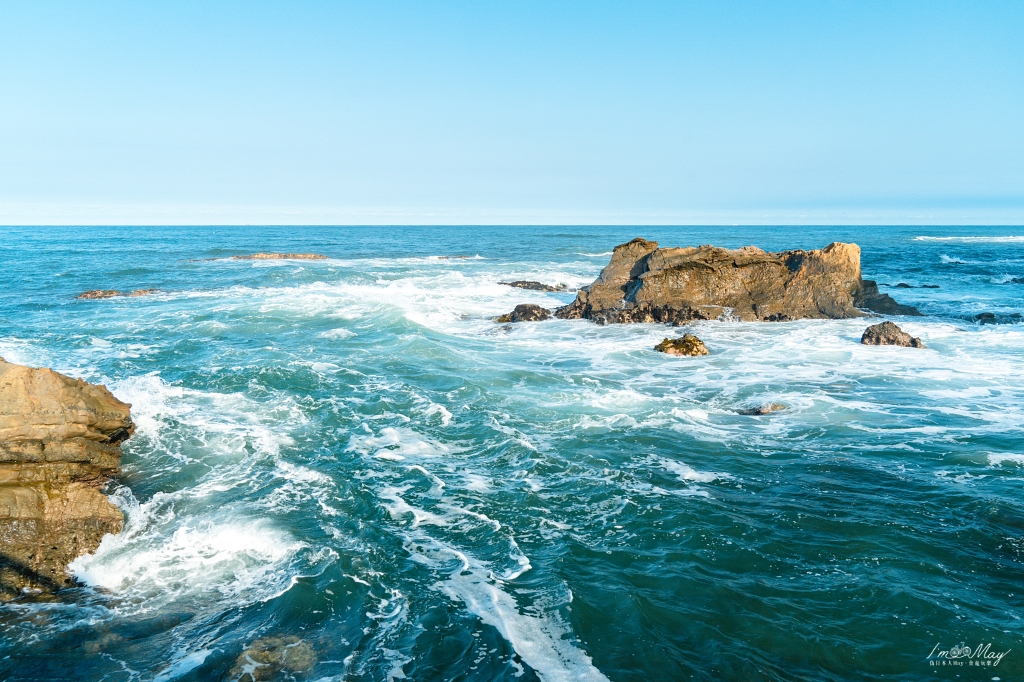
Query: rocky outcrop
(889, 334)
(60, 441)
(111, 293)
(526, 312)
(868, 297)
(281, 256)
(687, 344)
(535, 286)
(644, 283)
(269, 657)
(763, 409)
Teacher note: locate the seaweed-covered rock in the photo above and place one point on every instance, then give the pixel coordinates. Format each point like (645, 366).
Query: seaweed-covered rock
(266, 658)
(687, 344)
(60, 440)
(645, 283)
(526, 312)
(889, 334)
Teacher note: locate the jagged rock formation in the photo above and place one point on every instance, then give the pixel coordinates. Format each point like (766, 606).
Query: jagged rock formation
(111, 293)
(526, 312)
(889, 334)
(644, 283)
(281, 256)
(60, 440)
(687, 344)
(535, 286)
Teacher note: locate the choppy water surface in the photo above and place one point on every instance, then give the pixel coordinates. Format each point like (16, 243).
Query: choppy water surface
(353, 452)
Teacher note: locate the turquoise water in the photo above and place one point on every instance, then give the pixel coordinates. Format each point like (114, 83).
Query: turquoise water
(352, 452)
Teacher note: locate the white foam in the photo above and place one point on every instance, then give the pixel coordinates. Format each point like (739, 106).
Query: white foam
(337, 334)
(688, 473)
(396, 443)
(973, 240)
(998, 459)
(184, 665)
(242, 559)
(540, 641)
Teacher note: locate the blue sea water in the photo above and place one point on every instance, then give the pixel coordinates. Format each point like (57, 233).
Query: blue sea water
(353, 452)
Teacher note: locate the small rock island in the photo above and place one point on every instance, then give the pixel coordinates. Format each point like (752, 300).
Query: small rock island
(645, 283)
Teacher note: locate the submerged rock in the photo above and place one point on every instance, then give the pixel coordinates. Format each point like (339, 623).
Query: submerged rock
(986, 318)
(526, 312)
(268, 657)
(766, 408)
(644, 283)
(535, 286)
(60, 440)
(889, 334)
(281, 256)
(111, 293)
(688, 345)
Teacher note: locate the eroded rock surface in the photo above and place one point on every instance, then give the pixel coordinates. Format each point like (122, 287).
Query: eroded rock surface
(281, 256)
(889, 334)
(687, 344)
(645, 283)
(526, 312)
(60, 441)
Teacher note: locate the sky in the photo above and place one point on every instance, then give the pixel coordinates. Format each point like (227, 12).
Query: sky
(511, 112)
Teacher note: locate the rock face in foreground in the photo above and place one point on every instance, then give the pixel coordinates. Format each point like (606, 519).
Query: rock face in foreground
(644, 283)
(688, 345)
(889, 334)
(281, 256)
(526, 312)
(59, 441)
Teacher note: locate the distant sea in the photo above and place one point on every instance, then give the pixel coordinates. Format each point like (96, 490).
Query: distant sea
(351, 451)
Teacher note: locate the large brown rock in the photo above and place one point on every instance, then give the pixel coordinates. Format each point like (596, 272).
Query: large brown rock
(59, 442)
(644, 283)
(686, 345)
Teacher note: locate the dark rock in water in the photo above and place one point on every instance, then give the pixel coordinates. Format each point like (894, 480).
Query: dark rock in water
(644, 283)
(986, 318)
(1017, 280)
(766, 408)
(903, 285)
(868, 297)
(269, 657)
(281, 256)
(888, 334)
(60, 440)
(929, 286)
(535, 286)
(526, 312)
(687, 345)
(453, 257)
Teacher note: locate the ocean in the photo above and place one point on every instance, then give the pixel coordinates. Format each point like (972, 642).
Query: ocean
(352, 452)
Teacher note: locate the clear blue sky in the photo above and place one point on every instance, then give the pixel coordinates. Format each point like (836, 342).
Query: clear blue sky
(484, 112)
